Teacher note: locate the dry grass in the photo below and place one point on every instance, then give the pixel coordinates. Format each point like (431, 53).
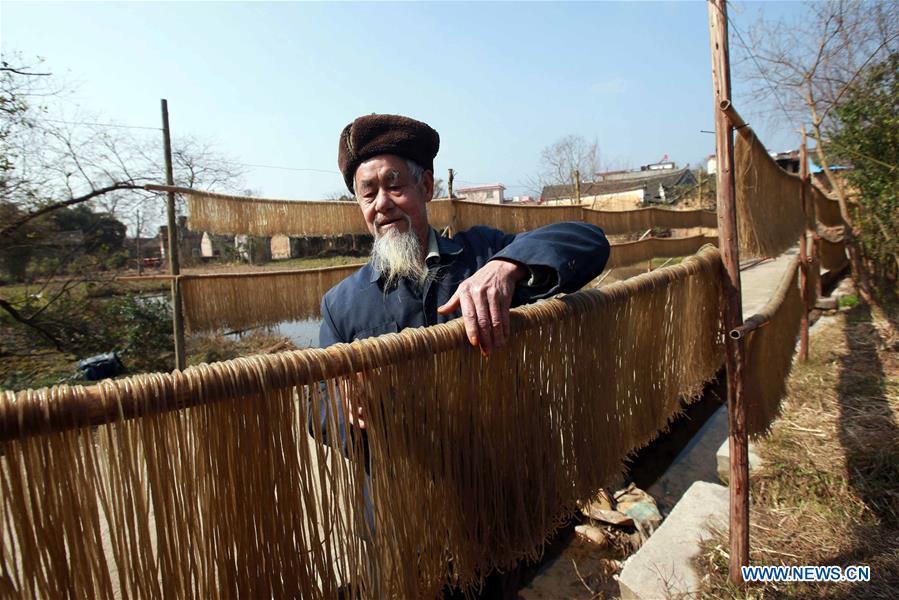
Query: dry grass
(829, 492)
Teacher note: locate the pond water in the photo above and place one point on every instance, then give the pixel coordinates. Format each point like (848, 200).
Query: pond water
(303, 334)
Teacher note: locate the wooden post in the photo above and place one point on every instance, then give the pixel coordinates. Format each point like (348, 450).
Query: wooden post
(738, 439)
(803, 252)
(449, 184)
(174, 264)
(577, 185)
(700, 188)
(139, 226)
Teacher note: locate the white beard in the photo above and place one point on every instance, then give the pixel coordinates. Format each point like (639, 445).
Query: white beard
(396, 255)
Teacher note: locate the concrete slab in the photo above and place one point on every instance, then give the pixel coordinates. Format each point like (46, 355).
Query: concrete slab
(760, 281)
(663, 567)
(696, 462)
(722, 459)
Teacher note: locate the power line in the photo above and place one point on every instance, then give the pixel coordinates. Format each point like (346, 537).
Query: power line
(115, 125)
(100, 124)
(761, 71)
(289, 168)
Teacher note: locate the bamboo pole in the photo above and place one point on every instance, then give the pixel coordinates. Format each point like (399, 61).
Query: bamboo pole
(738, 439)
(764, 316)
(733, 116)
(451, 228)
(577, 186)
(174, 264)
(803, 254)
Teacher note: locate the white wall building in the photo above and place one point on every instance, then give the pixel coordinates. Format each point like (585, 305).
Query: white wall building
(491, 193)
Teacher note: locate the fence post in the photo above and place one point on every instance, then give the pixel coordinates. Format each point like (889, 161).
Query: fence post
(577, 185)
(449, 187)
(803, 250)
(174, 264)
(738, 439)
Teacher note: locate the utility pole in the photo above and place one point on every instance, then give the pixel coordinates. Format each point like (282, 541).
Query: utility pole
(804, 263)
(738, 439)
(138, 225)
(700, 188)
(174, 265)
(577, 185)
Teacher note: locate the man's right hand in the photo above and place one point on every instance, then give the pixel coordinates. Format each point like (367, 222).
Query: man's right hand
(352, 393)
(485, 299)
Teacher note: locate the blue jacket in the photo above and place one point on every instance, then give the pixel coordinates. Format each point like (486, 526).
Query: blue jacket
(562, 257)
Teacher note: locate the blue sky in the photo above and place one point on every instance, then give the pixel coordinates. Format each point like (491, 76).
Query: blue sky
(274, 83)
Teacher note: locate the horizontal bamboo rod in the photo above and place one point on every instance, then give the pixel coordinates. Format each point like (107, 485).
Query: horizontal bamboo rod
(35, 412)
(256, 273)
(764, 316)
(152, 187)
(734, 117)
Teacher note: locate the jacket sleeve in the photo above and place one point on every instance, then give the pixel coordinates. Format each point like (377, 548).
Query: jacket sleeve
(562, 257)
(327, 333)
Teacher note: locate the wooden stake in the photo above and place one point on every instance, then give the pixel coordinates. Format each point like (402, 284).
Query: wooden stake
(174, 264)
(577, 185)
(803, 253)
(738, 439)
(700, 188)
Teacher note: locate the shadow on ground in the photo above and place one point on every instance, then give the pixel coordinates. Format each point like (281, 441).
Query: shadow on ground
(869, 434)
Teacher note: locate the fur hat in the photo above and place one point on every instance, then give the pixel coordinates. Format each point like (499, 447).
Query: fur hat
(375, 134)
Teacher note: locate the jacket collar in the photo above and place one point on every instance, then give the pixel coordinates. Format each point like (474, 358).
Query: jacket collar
(446, 246)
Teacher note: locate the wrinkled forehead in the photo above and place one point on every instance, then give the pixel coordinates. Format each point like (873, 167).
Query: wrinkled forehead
(386, 167)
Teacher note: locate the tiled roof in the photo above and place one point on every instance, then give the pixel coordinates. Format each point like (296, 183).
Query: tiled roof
(650, 182)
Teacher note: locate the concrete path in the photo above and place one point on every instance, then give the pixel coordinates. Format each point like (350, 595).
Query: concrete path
(663, 567)
(760, 281)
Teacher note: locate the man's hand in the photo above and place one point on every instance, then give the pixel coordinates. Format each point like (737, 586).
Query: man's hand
(485, 299)
(353, 390)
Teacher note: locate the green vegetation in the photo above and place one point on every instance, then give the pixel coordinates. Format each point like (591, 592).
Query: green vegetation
(828, 493)
(848, 301)
(868, 138)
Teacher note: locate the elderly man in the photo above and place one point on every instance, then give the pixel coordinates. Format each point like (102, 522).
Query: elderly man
(416, 276)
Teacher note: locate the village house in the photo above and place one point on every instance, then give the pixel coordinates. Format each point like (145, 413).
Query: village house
(660, 183)
(491, 193)
(195, 246)
(284, 247)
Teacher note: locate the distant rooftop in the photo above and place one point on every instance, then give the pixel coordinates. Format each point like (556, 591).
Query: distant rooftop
(477, 188)
(648, 179)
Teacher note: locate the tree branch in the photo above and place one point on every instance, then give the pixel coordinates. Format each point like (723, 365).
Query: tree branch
(19, 72)
(11, 310)
(18, 223)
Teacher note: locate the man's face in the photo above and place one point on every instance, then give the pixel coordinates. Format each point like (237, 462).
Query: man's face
(390, 198)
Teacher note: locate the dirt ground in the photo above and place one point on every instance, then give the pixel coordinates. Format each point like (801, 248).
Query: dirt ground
(828, 493)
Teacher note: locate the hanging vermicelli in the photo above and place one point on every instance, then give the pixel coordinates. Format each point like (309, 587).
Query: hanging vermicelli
(833, 254)
(631, 253)
(211, 483)
(222, 214)
(630, 221)
(770, 216)
(245, 300)
(769, 352)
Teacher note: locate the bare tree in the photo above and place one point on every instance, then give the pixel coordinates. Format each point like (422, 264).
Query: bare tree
(801, 72)
(560, 160)
(52, 162)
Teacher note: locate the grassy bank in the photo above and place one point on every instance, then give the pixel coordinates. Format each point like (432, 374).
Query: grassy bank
(829, 491)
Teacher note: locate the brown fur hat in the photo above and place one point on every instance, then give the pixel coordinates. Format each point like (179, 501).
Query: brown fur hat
(372, 135)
